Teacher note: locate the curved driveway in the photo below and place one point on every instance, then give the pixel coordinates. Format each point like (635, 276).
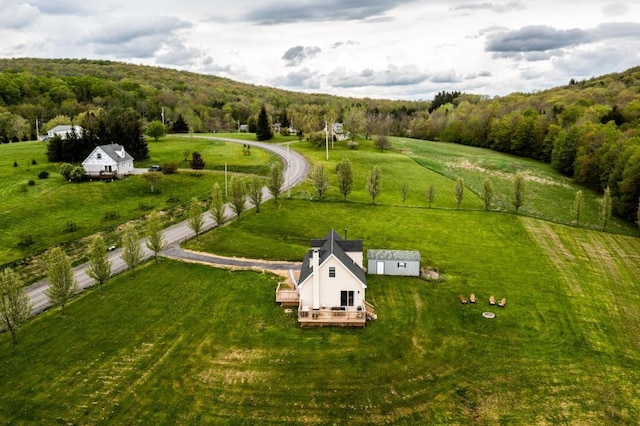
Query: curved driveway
(295, 170)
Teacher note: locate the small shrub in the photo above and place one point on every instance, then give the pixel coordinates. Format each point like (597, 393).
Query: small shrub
(71, 226)
(169, 168)
(111, 215)
(352, 145)
(31, 182)
(173, 200)
(43, 174)
(26, 240)
(34, 162)
(144, 207)
(15, 163)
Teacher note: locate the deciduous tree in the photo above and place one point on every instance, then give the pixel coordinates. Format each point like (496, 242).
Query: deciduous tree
(195, 217)
(320, 179)
(487, 193)
(99, 266)
(238, 195)
(578, 204)
(153, 179)
(374, 183)
(217, 205)
(62, 284)
(606, 204)
(345, 177)
(276, 180)
(459, 191)
(255, 192)
(382, 142)
(430, 194)
(518, 191)
(131, 251)
(15, 306)
(155, 237)
(404, 191)
(156, 130)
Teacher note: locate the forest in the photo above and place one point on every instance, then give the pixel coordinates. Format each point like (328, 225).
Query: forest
(587, 130)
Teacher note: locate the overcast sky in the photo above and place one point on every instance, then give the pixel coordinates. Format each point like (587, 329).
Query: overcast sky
(397, 49)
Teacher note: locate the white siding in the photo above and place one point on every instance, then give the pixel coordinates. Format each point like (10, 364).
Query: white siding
(330, 288)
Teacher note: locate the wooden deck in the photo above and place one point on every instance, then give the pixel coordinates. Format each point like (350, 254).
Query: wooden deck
(327, 317)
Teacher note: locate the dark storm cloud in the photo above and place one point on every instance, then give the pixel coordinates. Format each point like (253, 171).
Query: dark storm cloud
(536, 38)
(298, 54)
(314, 11)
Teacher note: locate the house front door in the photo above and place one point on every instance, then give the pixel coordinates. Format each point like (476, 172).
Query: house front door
(380, 268)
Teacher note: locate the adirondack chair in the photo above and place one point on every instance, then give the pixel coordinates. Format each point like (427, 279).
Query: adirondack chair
(472, 298)
(492, 300)
(502, 302)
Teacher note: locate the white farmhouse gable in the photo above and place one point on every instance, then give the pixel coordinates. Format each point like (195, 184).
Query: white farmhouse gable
(108, 160)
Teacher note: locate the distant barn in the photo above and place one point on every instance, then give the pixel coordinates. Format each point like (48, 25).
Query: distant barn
(393, 262)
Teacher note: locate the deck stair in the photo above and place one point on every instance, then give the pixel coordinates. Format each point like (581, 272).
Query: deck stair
(370, 311)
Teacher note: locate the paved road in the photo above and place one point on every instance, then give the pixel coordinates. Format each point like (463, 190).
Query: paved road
(295, 171)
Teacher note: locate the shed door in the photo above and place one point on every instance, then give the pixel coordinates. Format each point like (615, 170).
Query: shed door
(380, 268)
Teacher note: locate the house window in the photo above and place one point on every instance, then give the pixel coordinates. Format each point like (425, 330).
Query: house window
(346, 298)
(402, 264)
(99, 155)
(332, 271)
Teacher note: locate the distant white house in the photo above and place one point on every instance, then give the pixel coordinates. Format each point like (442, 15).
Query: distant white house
(64, 131)
(338, 133)
(108, 161)
(332, 284)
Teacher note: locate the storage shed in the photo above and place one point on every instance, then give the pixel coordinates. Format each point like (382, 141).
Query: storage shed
(393, 262)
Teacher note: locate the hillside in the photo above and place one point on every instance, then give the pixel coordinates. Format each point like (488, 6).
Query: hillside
(588, 130)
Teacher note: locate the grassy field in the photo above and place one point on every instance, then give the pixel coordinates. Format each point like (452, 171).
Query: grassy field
(549, 195)
(43, 211)
(211, 346)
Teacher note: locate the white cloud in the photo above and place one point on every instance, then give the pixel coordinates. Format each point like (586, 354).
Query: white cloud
(17, 15)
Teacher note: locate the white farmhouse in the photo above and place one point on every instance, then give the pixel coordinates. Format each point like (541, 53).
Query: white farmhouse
(64, 131)
(108, 161)
(332, 284)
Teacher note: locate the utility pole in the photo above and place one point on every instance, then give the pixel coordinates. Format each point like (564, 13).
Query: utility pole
(326, 138)
(289, 195)
(162, 115)
(226, 190)
(37, 130)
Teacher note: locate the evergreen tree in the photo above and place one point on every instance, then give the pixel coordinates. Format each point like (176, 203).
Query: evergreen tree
(264, 132)
(180, 125)
(197, 162)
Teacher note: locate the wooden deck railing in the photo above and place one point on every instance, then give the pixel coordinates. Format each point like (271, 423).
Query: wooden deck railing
(285, 295)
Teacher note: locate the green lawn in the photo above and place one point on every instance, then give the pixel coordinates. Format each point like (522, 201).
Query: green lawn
(182, 343)
(42, 211)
